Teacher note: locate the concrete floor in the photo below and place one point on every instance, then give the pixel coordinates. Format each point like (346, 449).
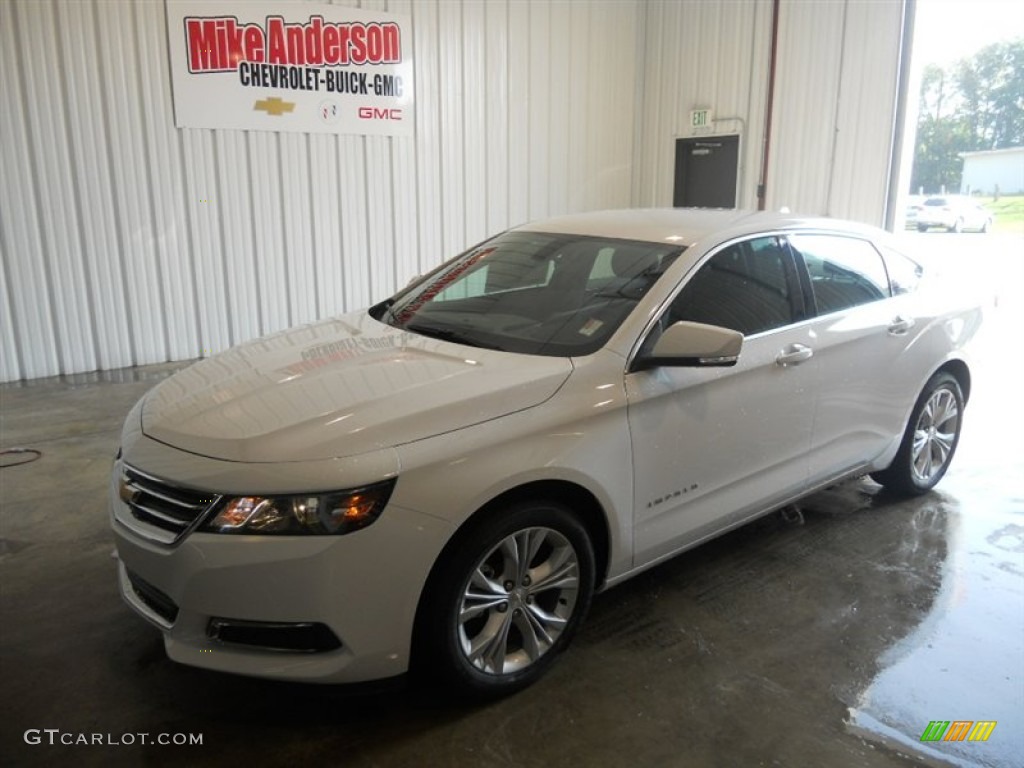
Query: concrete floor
(831, 642)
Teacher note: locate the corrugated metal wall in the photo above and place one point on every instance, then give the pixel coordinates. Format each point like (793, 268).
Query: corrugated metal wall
(835, 103)
(835, 98)
(698, 55)
(127, 241)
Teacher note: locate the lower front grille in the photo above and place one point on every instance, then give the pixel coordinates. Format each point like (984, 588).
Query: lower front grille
(157, 510)
(152, 598)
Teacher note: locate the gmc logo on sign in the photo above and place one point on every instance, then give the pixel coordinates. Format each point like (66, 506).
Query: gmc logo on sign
(379, 113)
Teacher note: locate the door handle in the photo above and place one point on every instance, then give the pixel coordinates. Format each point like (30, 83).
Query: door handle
(900, 325)
(794, 354)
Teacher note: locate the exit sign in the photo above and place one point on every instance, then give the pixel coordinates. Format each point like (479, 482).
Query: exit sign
(700, 118)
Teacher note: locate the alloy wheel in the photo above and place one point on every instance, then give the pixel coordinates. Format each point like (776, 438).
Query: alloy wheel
(934, 435)
(518, 600)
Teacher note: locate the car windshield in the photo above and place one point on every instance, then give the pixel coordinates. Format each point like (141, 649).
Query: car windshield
(533, 293)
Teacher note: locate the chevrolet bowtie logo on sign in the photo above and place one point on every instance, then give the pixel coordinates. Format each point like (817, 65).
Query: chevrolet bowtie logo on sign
(274, 106)
(311, 68)
(958, 730)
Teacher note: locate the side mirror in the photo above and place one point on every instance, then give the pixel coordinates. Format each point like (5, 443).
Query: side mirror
(695, 345)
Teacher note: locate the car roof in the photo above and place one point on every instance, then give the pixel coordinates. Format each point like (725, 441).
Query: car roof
(685, 226)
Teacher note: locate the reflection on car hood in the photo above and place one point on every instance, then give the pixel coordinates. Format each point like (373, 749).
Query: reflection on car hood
(339, 388)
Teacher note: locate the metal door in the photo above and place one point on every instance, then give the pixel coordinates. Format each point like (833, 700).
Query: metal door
(706, 172)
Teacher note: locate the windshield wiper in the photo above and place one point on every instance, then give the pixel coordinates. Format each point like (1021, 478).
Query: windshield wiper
(448, 334)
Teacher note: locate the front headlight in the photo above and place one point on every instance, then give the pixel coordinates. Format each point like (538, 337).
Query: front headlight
(336, 512)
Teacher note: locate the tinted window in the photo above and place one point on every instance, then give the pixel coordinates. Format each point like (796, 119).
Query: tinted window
(748, 287)
(844, 271)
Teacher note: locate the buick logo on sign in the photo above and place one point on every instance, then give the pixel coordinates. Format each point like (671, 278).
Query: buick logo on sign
(330, 112)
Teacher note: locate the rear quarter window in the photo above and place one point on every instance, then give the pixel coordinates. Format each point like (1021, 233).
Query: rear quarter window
(904, 273)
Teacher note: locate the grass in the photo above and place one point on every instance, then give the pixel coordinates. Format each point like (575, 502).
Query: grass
(1008, 212)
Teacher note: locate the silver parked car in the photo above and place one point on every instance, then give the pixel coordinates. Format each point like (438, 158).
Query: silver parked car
(444, 480)
(953, 213)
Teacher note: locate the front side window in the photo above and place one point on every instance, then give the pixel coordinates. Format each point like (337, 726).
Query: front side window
(750, 287)
(845, 271)
(533, 293)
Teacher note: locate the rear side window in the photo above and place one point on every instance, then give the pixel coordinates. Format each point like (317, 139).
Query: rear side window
(845, 271)
(749, 287)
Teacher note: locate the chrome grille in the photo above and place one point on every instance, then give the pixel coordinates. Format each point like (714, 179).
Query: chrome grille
(157, 510)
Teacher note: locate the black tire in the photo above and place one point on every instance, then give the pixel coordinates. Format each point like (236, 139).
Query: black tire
(957, 227)
(985, 226)
(926, 452)
(514, 632)
(922, 227)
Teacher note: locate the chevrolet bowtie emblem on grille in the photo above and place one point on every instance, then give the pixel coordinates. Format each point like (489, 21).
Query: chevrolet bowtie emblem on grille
(127, 492)
(274, 106)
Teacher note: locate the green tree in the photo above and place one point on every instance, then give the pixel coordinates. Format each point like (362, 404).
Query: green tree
(978, 103)
(937, 161)
(991, 85)
(936, 93)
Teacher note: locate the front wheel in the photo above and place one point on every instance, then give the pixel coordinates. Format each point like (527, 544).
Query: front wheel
(930, 439)
(507, 599)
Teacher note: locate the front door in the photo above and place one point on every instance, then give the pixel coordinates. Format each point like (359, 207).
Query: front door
(712, 446)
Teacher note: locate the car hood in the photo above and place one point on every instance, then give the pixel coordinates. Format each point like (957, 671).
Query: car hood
(338, 388)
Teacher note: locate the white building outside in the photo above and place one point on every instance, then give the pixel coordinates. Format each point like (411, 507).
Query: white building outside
(992, 172)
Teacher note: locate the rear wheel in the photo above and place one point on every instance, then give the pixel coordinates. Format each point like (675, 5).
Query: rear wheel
(930, 439)
(922, 227)
(507, 600)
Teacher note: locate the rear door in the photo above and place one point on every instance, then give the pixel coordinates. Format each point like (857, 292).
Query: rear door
(860, 338)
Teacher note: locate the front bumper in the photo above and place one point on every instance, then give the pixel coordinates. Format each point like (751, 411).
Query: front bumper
(361, 589)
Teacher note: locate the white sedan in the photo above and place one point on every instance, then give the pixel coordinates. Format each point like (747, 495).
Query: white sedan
(443, 481)
(953, 213)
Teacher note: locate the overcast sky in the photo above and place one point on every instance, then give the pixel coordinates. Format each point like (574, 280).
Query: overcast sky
(948, 30)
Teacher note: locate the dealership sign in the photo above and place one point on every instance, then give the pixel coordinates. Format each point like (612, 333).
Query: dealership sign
(279, 66)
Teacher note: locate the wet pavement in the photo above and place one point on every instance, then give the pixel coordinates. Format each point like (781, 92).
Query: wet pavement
(967, 654)
(832, 639)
